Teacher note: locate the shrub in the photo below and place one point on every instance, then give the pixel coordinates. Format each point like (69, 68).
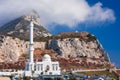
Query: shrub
(91, 37)
(25, 55)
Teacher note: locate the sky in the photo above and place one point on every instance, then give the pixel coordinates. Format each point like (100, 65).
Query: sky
(99, 17)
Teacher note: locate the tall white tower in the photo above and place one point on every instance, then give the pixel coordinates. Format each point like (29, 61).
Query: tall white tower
(30, 64)
(31, 49)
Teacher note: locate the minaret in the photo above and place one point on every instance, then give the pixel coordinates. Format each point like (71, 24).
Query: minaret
(30, 65)
(31, 49)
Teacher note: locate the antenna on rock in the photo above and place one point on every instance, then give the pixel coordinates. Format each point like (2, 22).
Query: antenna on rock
(31, 18)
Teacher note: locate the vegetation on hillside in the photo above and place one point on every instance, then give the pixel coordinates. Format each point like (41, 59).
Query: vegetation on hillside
(91, 37)
(61, 37)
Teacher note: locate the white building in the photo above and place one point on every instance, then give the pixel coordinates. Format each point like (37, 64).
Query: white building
(46, 67)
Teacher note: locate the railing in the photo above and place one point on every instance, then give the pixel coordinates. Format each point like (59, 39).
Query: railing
(80, 70)
(87, 70)
(9, 70)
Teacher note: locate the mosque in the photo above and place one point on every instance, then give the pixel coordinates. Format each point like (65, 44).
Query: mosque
(46, 67)
(34, 69)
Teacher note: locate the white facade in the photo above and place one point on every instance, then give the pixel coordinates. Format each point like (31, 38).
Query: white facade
(45, 67)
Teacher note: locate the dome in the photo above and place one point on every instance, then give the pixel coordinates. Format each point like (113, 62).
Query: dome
(46, 57)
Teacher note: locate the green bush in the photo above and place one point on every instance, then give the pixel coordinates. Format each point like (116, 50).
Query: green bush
(91, 38)
(25, 55)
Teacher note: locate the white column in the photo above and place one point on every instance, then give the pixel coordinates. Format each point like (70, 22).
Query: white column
(31, 49)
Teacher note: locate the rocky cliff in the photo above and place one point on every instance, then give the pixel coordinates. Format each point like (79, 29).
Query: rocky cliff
(65, 46)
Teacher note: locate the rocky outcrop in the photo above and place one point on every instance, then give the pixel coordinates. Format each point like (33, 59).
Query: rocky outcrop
(11, 47)
(73, 47)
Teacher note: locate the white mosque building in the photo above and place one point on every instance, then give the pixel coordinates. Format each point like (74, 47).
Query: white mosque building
(46, 67)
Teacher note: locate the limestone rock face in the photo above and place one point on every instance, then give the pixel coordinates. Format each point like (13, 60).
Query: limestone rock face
(11, 48)
(73, 47)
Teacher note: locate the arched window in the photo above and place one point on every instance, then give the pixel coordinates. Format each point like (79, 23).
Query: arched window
(47, 68)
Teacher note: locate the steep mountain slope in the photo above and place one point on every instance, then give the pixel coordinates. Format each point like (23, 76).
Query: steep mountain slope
(20, 27)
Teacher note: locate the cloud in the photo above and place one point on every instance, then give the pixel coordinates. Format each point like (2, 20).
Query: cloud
(61, 12)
